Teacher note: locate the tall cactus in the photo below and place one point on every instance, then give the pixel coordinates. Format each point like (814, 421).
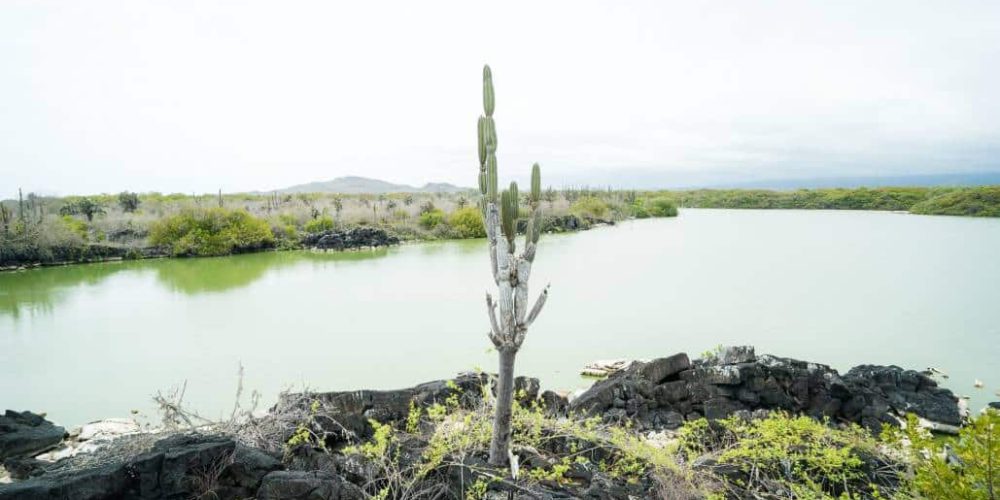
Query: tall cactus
(509, 316)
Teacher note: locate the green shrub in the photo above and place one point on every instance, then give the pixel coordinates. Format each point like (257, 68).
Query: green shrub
(661, 206)
(286, 237)
(888, 198)
(324, 223)
(468, 223)
(977, 202)
(76, 225)
(444, 231)
(784, 453)
(638, 209)
(432, 218)
(286, 219)
(213, 231)
(967, 467)
(52, 240)
(589, 206)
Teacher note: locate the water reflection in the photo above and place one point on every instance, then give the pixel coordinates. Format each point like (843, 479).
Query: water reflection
(38, 292)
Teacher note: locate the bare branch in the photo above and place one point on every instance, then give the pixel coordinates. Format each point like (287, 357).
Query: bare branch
(239, 393)
(173, 412)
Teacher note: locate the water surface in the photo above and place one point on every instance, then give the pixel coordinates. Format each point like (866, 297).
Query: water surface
(92, 341)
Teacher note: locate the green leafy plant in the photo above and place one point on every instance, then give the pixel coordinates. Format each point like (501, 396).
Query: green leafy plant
(661, 206)
(76, 225)
(590, 207)
(213, 231)
(468, 222)
(782, 452)
(378, 446)
(477, 490)
(320, 224)
(304, 434)
(962, 468)
(432, 218)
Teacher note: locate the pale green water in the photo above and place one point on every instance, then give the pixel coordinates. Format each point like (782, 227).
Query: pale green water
(94, 341)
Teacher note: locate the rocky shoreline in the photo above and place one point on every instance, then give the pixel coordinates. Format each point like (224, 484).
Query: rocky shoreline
(348, 239)
(353, 238)
(652, 398)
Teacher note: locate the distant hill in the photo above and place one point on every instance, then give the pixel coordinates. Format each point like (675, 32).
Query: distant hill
(364, 185)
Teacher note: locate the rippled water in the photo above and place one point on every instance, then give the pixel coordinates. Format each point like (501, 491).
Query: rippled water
(844, 288)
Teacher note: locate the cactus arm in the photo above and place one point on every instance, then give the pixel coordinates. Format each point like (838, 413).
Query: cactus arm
(537, 308)
(494, 327)
(489, 99)
(532, 234)
(521, 290)
(504, 273)
(492, 223)
(536, 184)
(482, 149)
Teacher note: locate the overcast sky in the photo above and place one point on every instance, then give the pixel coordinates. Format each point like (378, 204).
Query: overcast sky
(101, 96)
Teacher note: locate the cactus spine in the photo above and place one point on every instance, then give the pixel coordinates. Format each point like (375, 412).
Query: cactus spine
(509, 314)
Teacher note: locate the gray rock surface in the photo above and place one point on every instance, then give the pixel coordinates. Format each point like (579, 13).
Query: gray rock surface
(653, 393)
(312, 485)
(357, 237)
(177, 467)
(25, 434)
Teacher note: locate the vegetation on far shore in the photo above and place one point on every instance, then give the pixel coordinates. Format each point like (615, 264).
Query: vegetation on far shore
(42, 229)
(982, 201)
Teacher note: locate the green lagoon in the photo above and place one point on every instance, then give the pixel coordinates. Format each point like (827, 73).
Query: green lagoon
(840, 287)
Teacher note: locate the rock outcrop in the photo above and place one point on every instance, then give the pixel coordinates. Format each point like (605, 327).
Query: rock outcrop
(357, 237)
(655, 395)
(311, 485)
(179, 466)
(343, 416)
(24, 434)
(665, 392)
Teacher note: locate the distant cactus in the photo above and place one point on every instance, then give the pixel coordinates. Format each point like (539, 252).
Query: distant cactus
(536, 183)
(128, 201)
(510, 271)
(20, 206)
